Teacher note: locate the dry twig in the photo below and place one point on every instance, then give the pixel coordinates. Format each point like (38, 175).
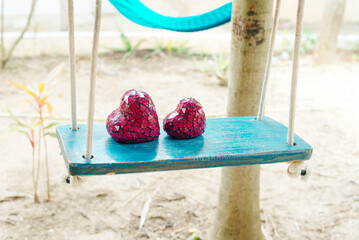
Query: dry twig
(145, 210)
(12, 198)
(5, 57)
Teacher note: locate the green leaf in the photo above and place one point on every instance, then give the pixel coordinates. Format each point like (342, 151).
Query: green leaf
(51, 134)
(51, 125)
(125, 56)
(17, 120)
(38, 123)
(15, 129)
(169, 48)
(126, 42)
(138, 44)
(116, 49)
(153, 53)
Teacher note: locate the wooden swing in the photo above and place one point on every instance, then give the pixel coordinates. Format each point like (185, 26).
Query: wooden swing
(89, 150)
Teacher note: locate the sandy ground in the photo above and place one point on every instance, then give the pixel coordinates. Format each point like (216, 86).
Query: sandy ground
(184, 202)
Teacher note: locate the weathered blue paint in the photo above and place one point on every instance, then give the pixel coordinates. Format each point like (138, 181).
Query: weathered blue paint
(227, 142)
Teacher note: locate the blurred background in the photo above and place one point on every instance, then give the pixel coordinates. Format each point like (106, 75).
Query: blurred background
(170, 66)
(50, 21)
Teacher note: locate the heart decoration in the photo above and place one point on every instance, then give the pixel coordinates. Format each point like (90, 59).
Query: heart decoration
(187, 121)
(135, 121)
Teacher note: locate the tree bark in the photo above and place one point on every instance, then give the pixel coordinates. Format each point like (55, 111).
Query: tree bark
(238, 212)
(64, 21)
(2, 48)
(329, 30)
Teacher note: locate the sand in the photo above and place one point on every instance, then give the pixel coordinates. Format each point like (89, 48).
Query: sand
(184, 202)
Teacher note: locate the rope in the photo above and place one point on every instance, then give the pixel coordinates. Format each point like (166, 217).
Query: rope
(75, 181)
(299, 167)
(269, 61)
(70, 4)
(90, 118)
(293, 91)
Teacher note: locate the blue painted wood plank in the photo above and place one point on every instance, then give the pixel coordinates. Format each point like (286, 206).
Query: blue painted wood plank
(232, 141)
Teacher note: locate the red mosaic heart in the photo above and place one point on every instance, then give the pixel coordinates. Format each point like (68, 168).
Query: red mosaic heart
(136, 120)
(187, 121)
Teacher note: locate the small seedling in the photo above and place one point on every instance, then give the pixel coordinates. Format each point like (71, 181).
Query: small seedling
(309, 43)
(128, 48)
(285, 43)
(354, 57)
(204, 66)
(195, 236)
(221, 63)
(217, 65)
(181, 48)
(37, 129)
(164, 49)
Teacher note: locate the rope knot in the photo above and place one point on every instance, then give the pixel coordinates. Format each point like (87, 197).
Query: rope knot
(75, 181)
(299, 168)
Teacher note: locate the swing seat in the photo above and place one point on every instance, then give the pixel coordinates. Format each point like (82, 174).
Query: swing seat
(231, 141)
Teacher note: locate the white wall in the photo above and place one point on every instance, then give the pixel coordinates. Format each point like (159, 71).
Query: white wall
(50, 7)
(313, 8)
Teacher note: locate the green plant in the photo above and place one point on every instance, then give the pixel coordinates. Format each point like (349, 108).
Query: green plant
(181, 48)
(204, 66)
(285, 43)
(354, 57)
(195, 236)
(157, 49)
(201, 54)
(309, 43)
(169, 48)
(217, 64)
(37, 129)
(221, 63)
(128, 48)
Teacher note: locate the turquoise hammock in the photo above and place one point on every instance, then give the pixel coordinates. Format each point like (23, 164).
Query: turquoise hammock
(137, 12)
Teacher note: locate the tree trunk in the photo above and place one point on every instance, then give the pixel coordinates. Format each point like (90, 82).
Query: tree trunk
(2, 48)
(238, 212)
(329, 31)
(64, 21)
